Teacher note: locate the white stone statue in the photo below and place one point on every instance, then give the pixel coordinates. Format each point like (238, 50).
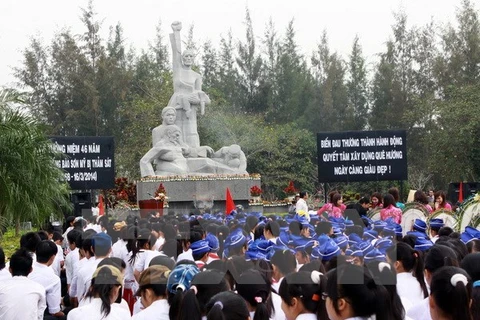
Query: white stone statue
(187, 84)
(176, 146)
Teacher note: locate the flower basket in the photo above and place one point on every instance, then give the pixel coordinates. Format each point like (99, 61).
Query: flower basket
(255, 191)
(290, 190)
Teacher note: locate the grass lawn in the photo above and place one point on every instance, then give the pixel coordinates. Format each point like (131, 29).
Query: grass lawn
(10, 243)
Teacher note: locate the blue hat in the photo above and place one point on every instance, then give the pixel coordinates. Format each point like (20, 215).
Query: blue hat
(101, 241)
(423, 244)
(469, 234)
(389, 230)
(255, 255)
(300, 242)
(326, 249)
(436, 223)
(354, 251)
(235, 240)
(181, 277)
(353, 239)
(283, 239)
(370, 235)
(349, 223)
(200, 247)
(383, 244)
(420, 225)
(263, 245)
(213, 242)
(398, 230)
(367, 221)
(417, 234)
(341, 241)
(374, 255)
(365, 246)
(379, 225)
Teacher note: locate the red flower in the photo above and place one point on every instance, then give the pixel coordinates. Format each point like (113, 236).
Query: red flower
(290, 190)
(255, 191)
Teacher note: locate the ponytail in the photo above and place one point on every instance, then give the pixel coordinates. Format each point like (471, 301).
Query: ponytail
(411, 261)
(261, 310)
(175, 302)
(227, 305)
(451, 291)
(418, 272)
(216, 312)
(190, 308)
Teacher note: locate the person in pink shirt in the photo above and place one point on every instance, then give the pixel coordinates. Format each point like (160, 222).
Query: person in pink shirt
(441, 202)
(421, 197)
(335, 207)
(390, 210)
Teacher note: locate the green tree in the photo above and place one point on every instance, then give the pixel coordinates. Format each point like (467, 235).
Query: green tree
(250, 65)
(357, 86)
(30, 182)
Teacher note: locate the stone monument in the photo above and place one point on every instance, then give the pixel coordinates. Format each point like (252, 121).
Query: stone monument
(176, 153)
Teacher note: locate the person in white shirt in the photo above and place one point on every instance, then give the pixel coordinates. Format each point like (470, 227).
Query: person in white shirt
(408, 265)
(145, 242)
(283, 262)
(69, 223)
(437, 257)
(59, 261)
(72, 259)
(101, 247)
(152, 290)
(301, 207)
(435, 226)
(4, 273)
(187, 252)
(271, 231)
(20, 297)
(105, 289)
(46, 277)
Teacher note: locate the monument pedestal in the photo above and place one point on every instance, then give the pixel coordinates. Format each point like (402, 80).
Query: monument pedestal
(204, 193)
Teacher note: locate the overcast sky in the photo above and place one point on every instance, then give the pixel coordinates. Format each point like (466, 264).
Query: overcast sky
(343, 19)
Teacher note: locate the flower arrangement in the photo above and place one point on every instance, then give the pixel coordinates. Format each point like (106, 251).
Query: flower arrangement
(160, 193)
(255, 191)
(290, 190)
(123, 195)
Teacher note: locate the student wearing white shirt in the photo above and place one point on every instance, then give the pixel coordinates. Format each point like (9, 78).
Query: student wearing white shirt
(352, 293)
(4, 273)
(59, 258)
(410, 272)
(143, 255)
(20, 297)
(187, 252)
(301, 294)
(283, 262)
(152, 290)
(105, 289)
(438, 256)
(72, 259)
(46, 277)
(101, 247)
(271, 231)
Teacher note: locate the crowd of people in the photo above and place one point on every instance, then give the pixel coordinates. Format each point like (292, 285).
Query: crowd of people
(329, 264)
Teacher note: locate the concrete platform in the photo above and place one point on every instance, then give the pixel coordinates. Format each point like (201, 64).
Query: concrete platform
(200, 192)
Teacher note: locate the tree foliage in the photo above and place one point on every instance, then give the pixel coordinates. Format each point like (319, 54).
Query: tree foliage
(269, 96)
(30, 182)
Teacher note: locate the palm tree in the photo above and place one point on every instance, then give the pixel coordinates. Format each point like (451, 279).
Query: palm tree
(31, 187)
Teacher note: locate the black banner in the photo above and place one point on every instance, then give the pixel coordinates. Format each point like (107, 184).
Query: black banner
(351, 156)
(88, 161)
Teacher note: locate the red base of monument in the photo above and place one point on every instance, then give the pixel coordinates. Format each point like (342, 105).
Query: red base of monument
(149, 206)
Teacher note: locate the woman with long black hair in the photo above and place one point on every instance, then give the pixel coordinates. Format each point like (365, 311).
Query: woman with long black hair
(104, 291)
